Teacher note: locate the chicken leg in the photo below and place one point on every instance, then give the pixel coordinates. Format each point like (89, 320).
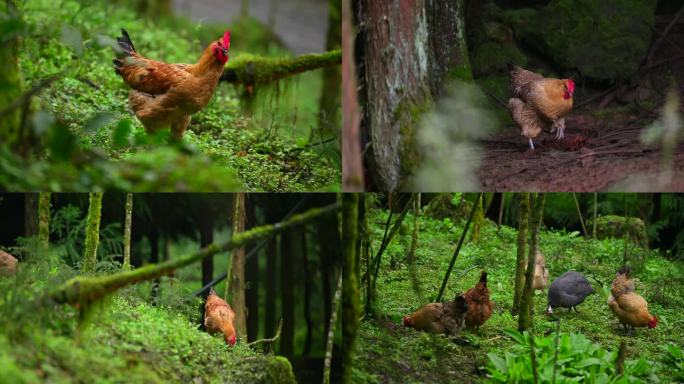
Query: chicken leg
(559, 127)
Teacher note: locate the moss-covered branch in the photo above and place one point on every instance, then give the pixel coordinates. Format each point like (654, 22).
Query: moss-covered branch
(256, 70)
(84, 289)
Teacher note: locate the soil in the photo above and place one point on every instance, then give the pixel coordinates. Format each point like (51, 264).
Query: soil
(602, 149)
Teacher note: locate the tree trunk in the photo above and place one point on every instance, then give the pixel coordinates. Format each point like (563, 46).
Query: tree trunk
(525, 320)
(154, 259)
(270, 309)
(416, 46)
(287, 292)
(127, 232)
(253, 274)
(593, 230)
(478, 220)
(352, 169)
(411, 258)
(328, 247)
(236, 283)
(331, 332)
(92, 232)
(523, 219)
(44, 219)
(351, 309)
(329, 104)
(30, 214)
(11, 84)
(307, 294)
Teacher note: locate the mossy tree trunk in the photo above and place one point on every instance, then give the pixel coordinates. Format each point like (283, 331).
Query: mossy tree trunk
(11, 82)
(30, 214)
(235, 289)
(478, 220)
(416, 46)
(329, 105)
(307, 295)
(85, 290)
(351, 309)
(92, 232)
(44, 219)
(523, 219)
(525, 320)
(127, 232)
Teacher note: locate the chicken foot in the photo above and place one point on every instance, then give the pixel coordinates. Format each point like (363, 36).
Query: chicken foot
(558, 127)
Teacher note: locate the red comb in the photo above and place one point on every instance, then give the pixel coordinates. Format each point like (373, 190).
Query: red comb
(571, 85)
(226, 39)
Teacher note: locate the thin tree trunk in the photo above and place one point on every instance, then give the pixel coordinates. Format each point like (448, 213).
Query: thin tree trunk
(350, 282)
(253, 275)
(12, 84)
(411, 258)
(352, 168)
(523, 219)
(458, 248)
(271, 281)
(329, 103)
(501, 211)
(593, 230)
(154, 259)
(30, 214)
(127, 232)
(307, 294)
(287, 292)
(92, 232)
(331, 332)
(525, 320)
(44, 219)
(417, 46)
(236, 283)
(579, 214)
(478, 220)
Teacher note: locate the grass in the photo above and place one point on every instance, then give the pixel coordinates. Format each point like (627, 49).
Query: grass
(123, 338)
(388, 352)
(269, 150)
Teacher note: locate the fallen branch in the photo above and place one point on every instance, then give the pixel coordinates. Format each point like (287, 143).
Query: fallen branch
(85, 290)
(272, 339)
(257, 70)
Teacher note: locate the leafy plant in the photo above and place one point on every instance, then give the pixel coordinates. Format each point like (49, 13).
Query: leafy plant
(674, 358)
(578, 360)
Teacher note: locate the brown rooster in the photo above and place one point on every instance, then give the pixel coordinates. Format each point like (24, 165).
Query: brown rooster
(8, 264)
(219, 317)
(165, 95)
(447, 318)
(629, 307)
(538, 102)
(480, 307)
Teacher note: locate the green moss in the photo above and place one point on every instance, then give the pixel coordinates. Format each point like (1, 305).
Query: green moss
(603, 39)
(255, 70)
(612, 226)
(410, 114)
(492, 58)
(92, 232)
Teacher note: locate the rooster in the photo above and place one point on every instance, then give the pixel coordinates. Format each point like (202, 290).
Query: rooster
(629, 307)
(480, 307)
(8, 264)
(447, 318)
(538, 102)
(165, 95)
(219, 317)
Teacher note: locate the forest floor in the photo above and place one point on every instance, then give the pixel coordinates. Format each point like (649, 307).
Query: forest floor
(602, 149)
(597, 154)
(387, 352)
